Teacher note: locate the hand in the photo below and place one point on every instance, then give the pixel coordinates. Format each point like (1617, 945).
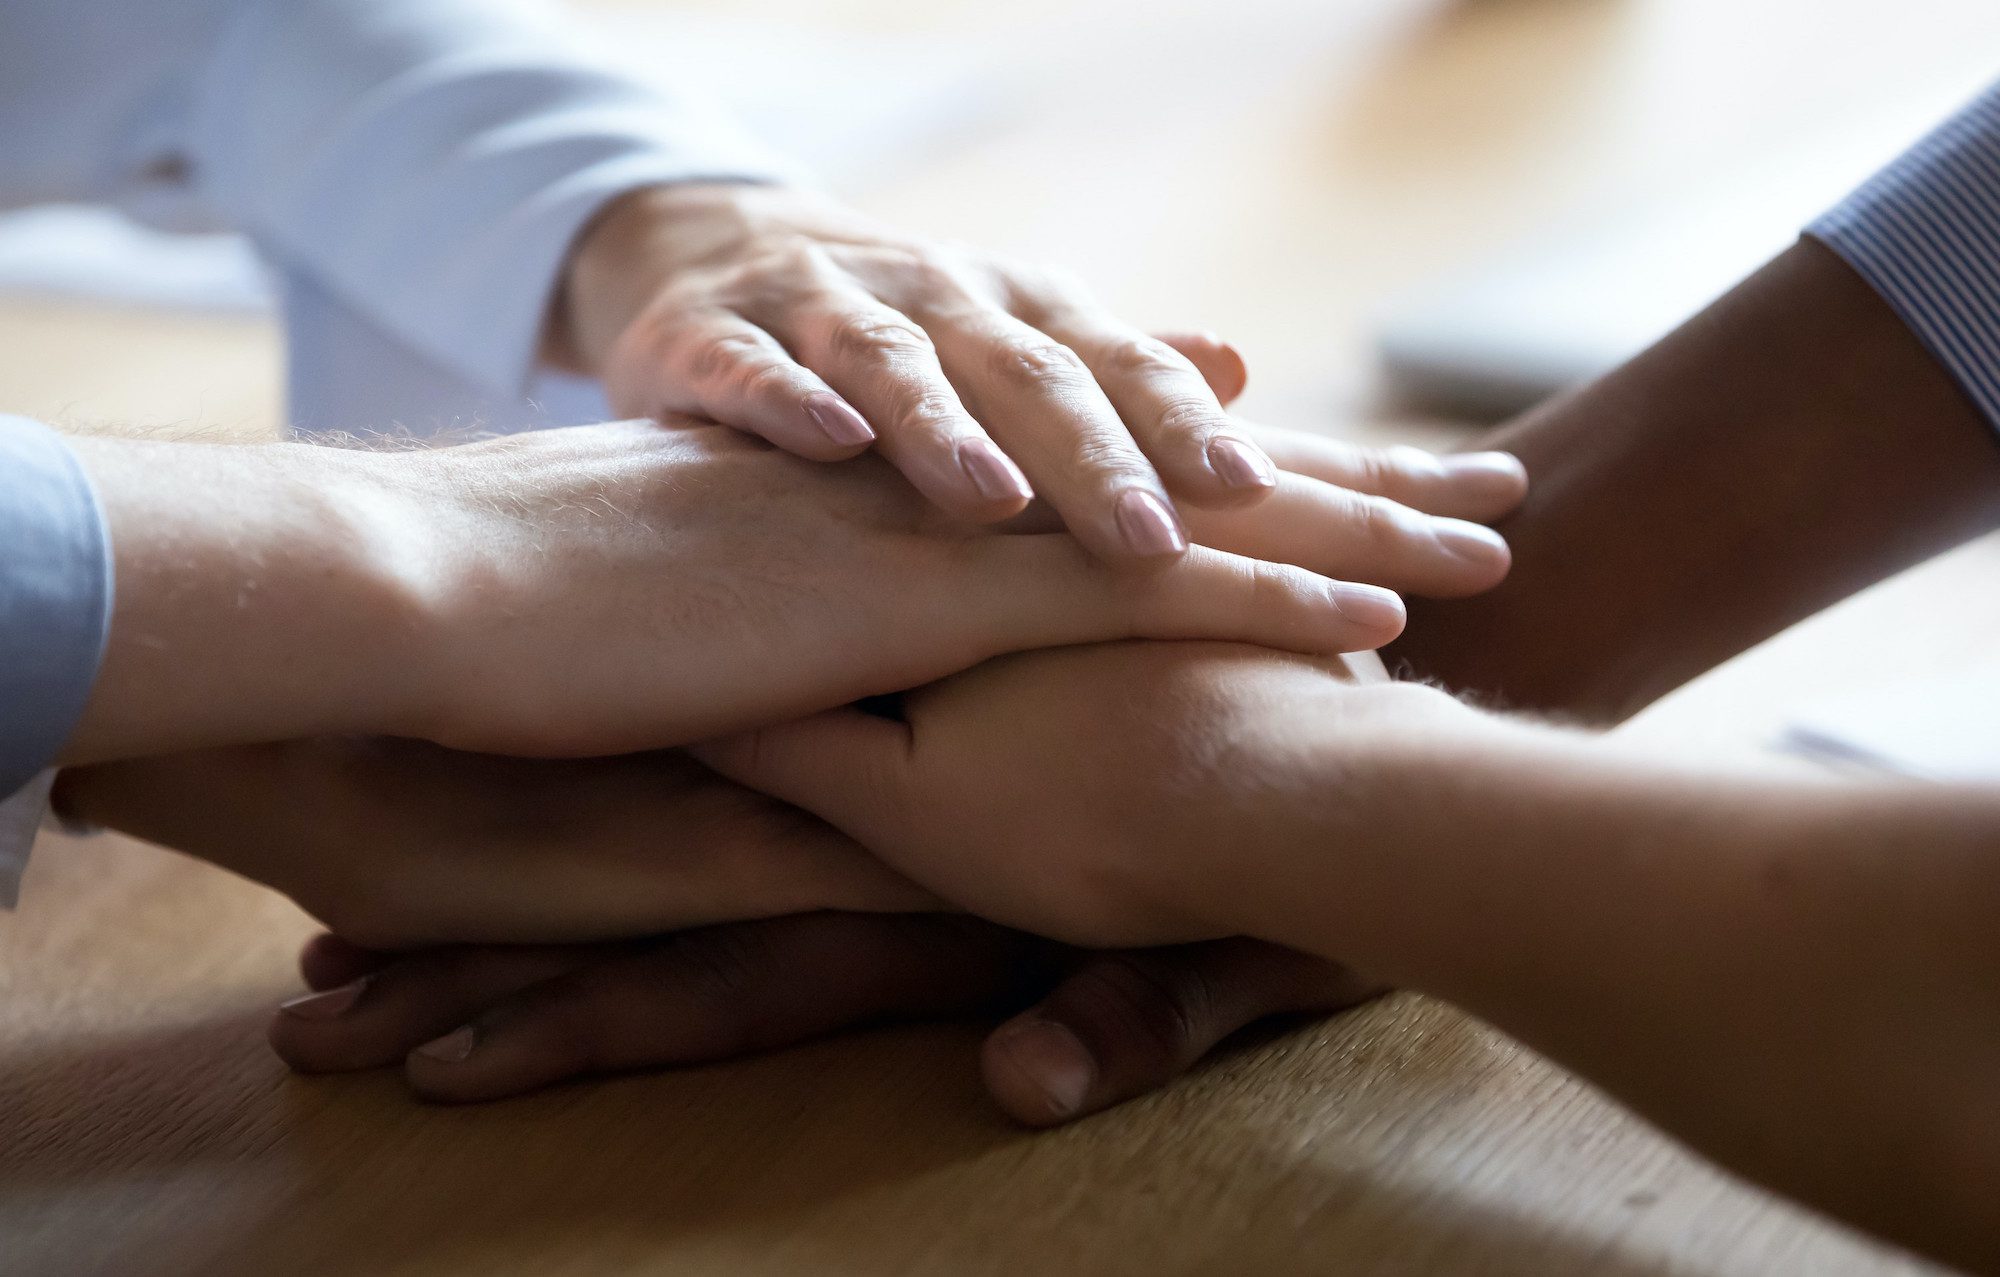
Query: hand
(791, 316)
(630, 586)
(1091, 794)
(398, 843)
(484, 1024)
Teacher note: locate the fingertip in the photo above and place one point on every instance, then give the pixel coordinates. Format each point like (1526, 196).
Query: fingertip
(1479, 556)
(1244, 470)
(1491, 483)
(997, 486)
(1039, 1072)
(838, 423)
(1221, 365)
(1147, 527)
(1374, 616)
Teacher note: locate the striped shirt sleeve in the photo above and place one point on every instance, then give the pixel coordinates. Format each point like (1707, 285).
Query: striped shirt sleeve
(1925, 233)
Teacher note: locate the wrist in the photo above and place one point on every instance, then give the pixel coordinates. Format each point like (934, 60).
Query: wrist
(627, 253)
(262, 593)
(644, 239)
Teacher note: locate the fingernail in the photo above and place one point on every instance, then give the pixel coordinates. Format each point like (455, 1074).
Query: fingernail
(452, 1047)
(1470, 542)
(837, 420)
(1369, 605)
(1241, 466)
(325, 1006)
(1056, 1061)
(1148, 526)
(1493, 465)
(996, 478)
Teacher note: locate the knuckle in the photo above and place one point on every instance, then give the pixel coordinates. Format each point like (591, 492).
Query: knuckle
(767, 379)
(879, 340)
(718, 966)
(1157, 1017)
(1147, 357)
(717, 357)
(1042, 367)
(926, 408)
(1188, 418)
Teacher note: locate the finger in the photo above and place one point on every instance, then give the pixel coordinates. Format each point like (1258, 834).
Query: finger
(1342, 533)
(375, 1018)
(1221, 364)
(1170, 410)
(327, 961)
(1044, 591)
(844, 766)
(887, 367)
(1465, 485)
(1125, 1024)
(724, 991)
(726, 368)
(1042, 403)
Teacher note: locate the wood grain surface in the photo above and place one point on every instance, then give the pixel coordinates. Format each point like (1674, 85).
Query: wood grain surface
(1272, 169)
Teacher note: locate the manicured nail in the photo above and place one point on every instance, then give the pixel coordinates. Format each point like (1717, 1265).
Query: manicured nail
(1369, 605)
(838, 421)
(996, 478)
(325, 1006)
(1148, 526)
(452, 1047)
(1055, 1060)
(1469, 542)
(1241, 466)
(1498, 466)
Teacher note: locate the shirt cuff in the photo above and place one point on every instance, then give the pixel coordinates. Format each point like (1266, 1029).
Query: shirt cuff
(431, 165)
(55, 596)
(21, 817)
(1925, 234)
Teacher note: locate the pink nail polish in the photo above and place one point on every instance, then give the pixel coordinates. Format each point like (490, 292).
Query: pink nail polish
(329, 1005)
(453, 1047)
(1149, 528)
(1369, 606)
(1239, 465)
(1055, 1060)
(995, 477)
(838, 421)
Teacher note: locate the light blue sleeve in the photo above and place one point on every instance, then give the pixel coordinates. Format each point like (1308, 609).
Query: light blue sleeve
(415, 171)
(1925, 234)
(55, 610)
(428, 163)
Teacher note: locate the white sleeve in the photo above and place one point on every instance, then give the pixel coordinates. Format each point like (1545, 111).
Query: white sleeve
(428, 162)
(21, 818)
(424, 164)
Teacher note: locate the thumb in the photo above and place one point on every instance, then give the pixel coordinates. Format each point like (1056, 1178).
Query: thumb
(844, 766)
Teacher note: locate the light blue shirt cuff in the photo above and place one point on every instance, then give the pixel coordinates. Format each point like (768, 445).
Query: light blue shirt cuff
(430, 165)
(21, 818)
(55, 596)
(1925, 234)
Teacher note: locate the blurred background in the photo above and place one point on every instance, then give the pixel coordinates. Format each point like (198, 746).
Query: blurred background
(1402, 210)
(1411, 215)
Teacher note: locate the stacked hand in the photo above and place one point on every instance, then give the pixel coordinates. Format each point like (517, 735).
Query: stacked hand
(594, 593)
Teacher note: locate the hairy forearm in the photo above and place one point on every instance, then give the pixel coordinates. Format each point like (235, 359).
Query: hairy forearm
(1798, 977)
(1787, 447)
(261, 594)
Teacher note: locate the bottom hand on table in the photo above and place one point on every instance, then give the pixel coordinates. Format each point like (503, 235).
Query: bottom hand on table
(484, 1023)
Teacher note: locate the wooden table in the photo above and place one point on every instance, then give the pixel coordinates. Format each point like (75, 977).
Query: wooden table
(1271, 169)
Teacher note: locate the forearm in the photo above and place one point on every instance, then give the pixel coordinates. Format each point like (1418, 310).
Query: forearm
(1785, 448)
(1796, 976)
(261, 593)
